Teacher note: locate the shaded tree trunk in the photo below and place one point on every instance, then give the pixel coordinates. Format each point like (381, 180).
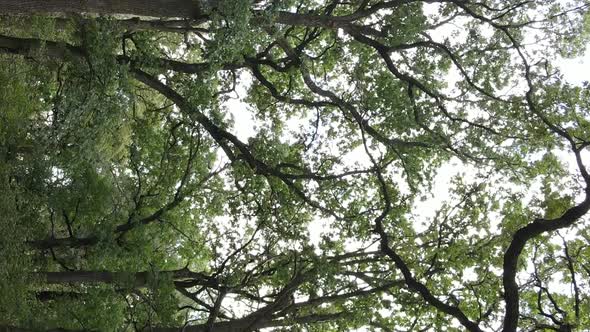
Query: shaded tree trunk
(154, 8)
(196, 10)
(236, 325)
(137, 279)
(8, 328)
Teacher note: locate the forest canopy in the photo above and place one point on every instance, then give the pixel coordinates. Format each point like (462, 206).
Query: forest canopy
(293, 165)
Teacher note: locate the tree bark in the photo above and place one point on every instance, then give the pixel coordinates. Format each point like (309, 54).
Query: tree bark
(183, 9)
(8, 328)
(245, 324)
(153, 8)
(137, 279)
(236, 325)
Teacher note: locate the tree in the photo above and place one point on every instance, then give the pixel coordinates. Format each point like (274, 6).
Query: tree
(133, 202)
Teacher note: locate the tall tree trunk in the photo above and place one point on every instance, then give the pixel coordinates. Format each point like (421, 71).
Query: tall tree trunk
(137, 279)
(153, 8)
(8, 328)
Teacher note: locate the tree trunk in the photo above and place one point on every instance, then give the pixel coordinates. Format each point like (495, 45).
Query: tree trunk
(137, 279)
(251, 323)
(8, 328)
(153, 8)
(184, 9)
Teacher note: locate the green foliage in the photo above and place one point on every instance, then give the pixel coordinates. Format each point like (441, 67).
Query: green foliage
(231, 21)
(19, 205)
(397, 154)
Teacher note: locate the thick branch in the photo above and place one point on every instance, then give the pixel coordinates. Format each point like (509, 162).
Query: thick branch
(519, 240)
